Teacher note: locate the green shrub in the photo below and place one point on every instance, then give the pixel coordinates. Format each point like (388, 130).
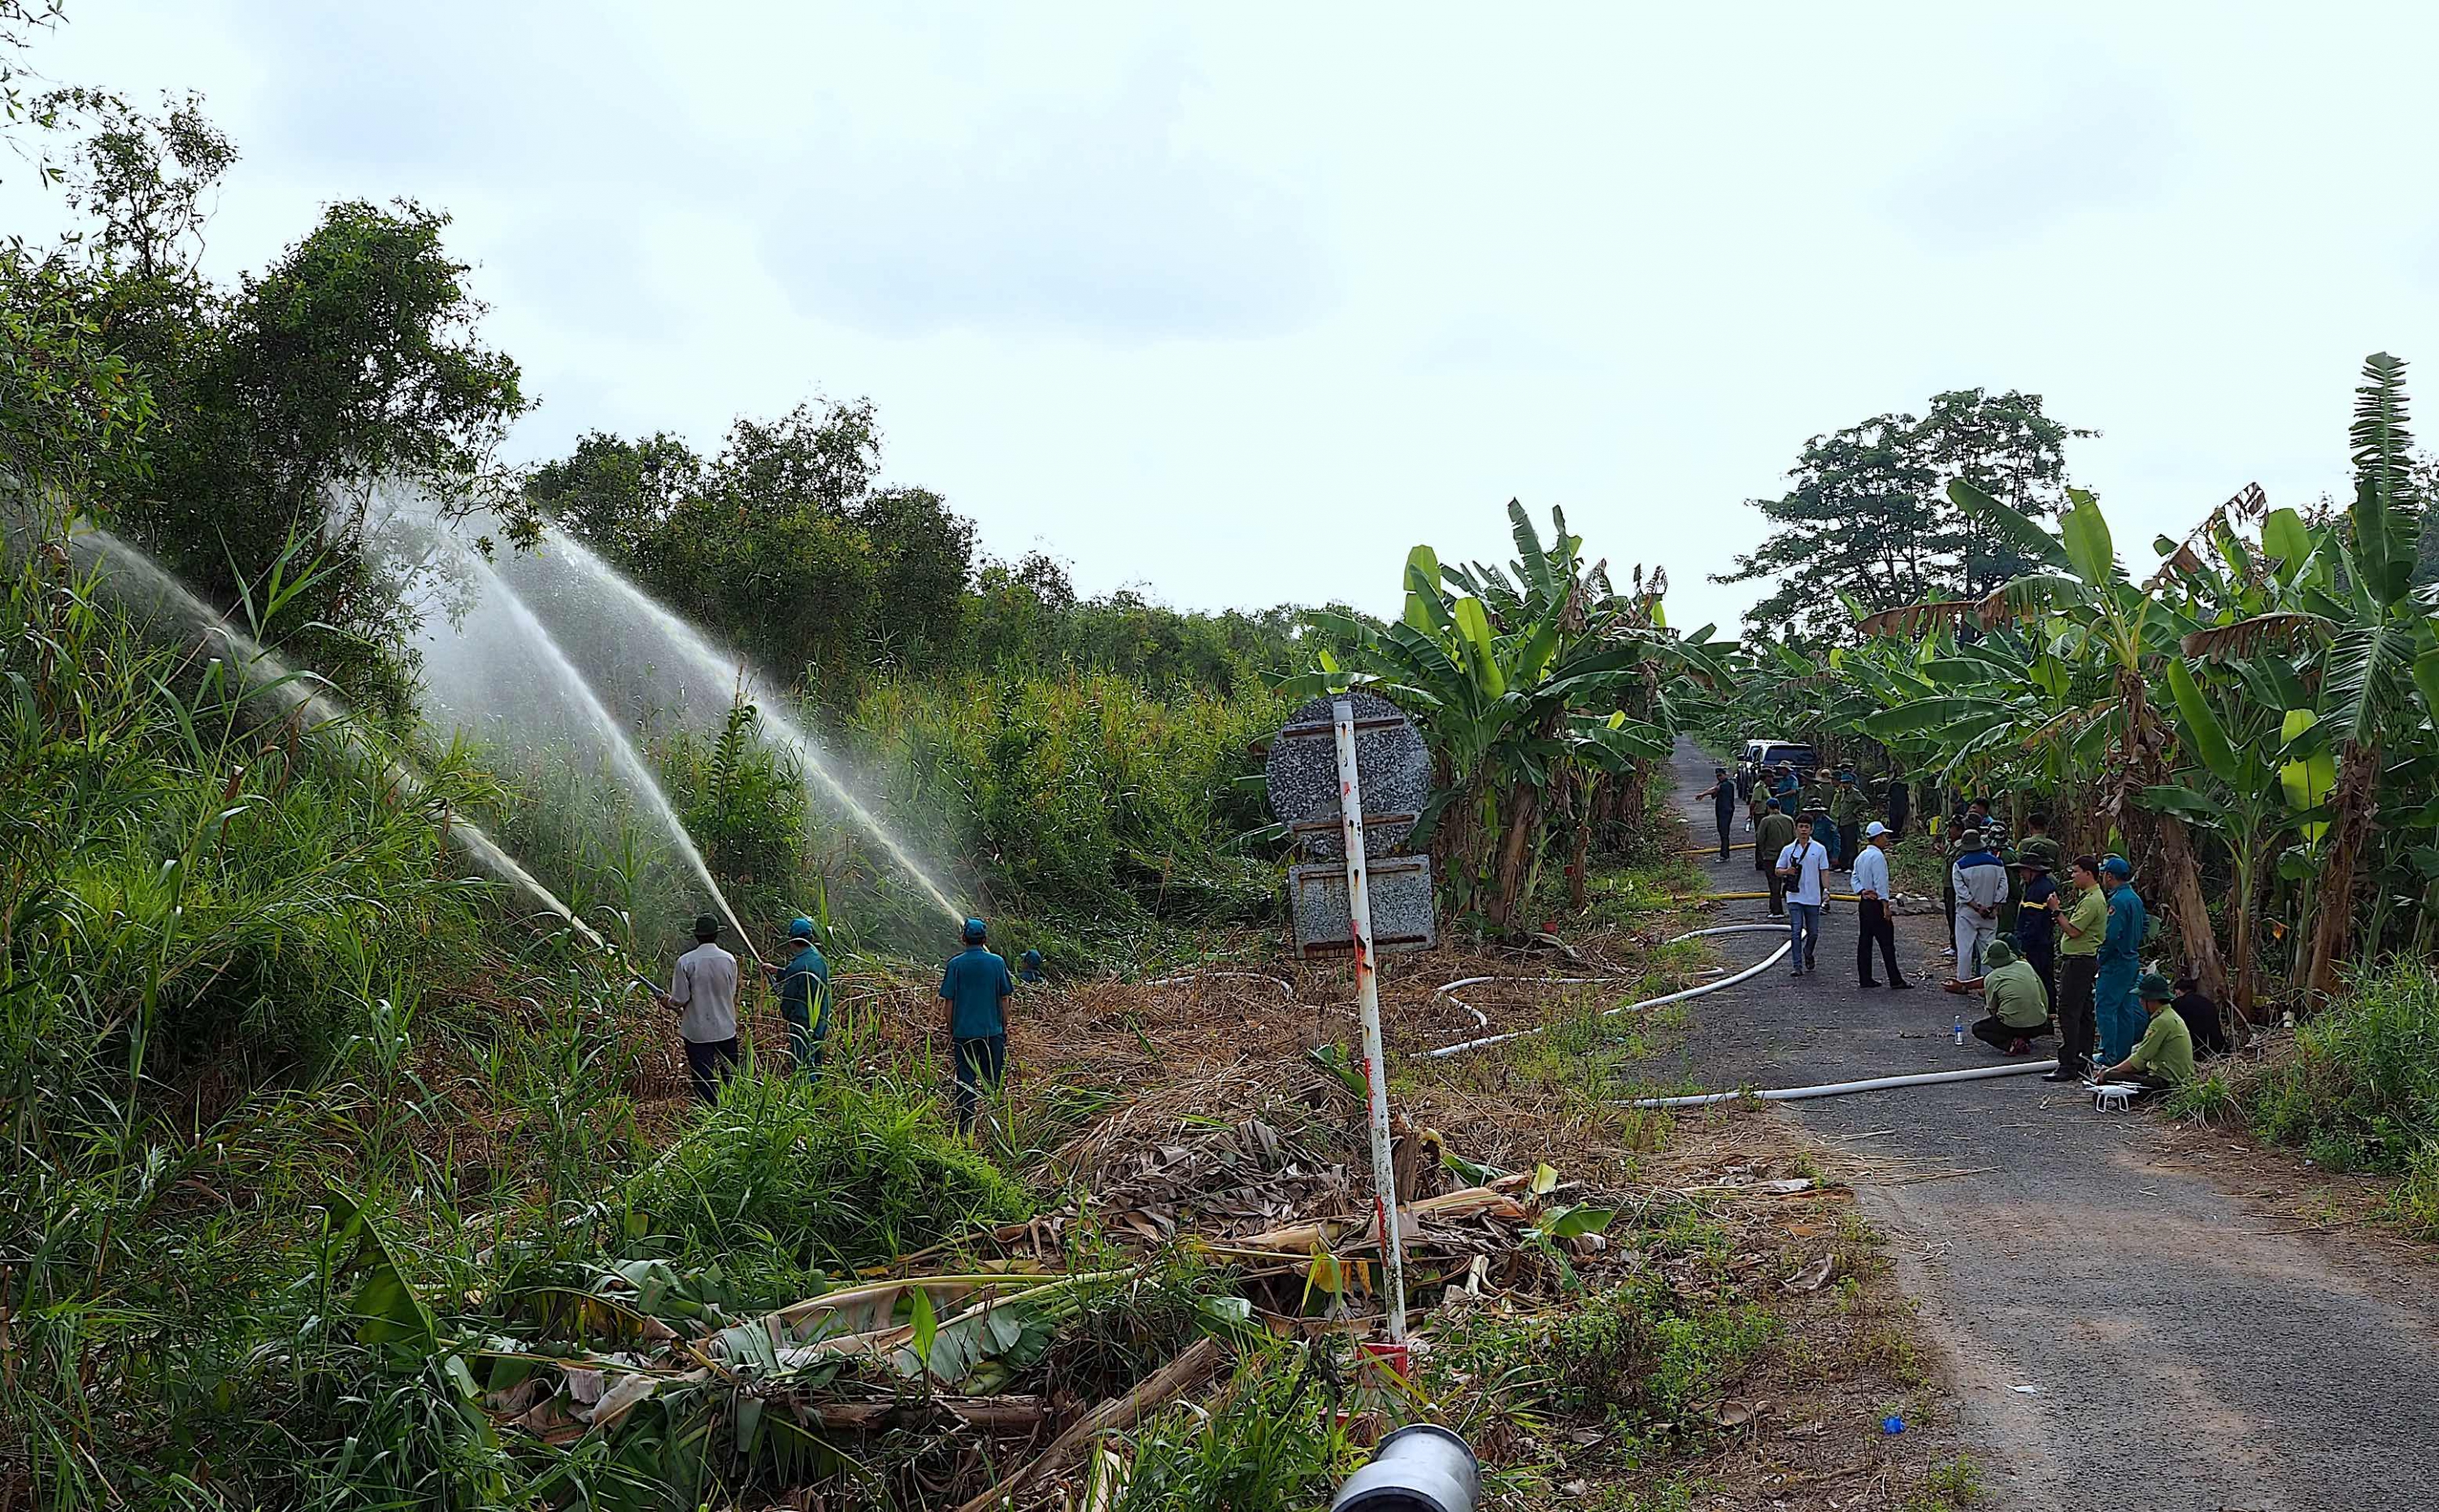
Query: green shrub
(826, 1175)
(2361, 1088)
(1275, 1447)
(1086, 797)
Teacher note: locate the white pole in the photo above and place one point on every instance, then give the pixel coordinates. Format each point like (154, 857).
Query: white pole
(1367, 999)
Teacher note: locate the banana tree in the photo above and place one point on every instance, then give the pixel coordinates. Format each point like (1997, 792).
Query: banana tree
(2098, 624)
(2377, 679)
(1521, 681)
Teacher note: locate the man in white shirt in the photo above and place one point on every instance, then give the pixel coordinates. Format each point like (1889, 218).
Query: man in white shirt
(704, 990)
(1980, 881)
(1874, 923)
(1805, 865)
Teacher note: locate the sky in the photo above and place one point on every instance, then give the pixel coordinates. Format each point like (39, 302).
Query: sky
(1236, 304)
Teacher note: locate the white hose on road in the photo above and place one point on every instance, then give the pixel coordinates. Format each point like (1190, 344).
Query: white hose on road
(1482, 1020)
(1840, 1089)
(1755, 970)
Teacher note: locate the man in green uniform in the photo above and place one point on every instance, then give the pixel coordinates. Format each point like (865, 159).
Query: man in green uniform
(2080, 924)
(2011, 989)
(2166, 1055)
(1848, 809)
(804, 997)
(1774, 834)
(976, 986)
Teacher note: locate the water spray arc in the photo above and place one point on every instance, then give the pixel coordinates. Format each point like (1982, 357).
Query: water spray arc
(614, 737)
(716, 668)
(260, 672)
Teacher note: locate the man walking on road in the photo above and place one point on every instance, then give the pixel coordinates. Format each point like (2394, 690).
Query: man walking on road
(976, 987)
(1775, 832)
(1722, 793)
(1979, 878)
(2117, 1010)
(704, 990)
(1804, 865)
(1875, 924)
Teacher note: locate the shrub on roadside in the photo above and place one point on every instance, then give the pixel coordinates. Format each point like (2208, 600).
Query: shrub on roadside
(2360, 1086)
(824, 1175)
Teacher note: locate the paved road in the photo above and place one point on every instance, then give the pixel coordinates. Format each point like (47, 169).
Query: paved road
(2187, 1353)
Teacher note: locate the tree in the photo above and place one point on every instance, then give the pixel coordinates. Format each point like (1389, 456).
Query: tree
(1518, 678)
(612, 494)
(1870, 525)
(1858, 521)
(2007, 449)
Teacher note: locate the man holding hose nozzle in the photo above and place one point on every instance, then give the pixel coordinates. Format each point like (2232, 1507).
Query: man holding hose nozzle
(976, 987)
(702, 989)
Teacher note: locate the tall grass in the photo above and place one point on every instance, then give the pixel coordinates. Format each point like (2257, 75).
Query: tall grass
(821, 1176)
(2359, 1089)
(1086, 803)
(257, 1025)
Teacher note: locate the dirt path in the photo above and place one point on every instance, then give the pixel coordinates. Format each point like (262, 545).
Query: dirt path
(2188, 1349)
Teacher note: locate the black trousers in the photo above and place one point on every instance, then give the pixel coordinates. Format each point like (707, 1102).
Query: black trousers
(1777, 885)
(2000, 1036)
(710, 1061)
(1727, 818)
(981, 1062)
(2044, 959)
(1875, 924)
(2073, 1007)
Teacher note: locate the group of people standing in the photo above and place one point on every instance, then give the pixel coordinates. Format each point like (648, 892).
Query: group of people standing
(2046, 959)
(975, 986)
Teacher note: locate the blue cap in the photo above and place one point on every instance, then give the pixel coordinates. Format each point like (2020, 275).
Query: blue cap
(973, 932)
(800, 928)
(2117, 867)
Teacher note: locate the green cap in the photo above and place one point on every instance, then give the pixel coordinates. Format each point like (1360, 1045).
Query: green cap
(2153, 987)
(1999, 953)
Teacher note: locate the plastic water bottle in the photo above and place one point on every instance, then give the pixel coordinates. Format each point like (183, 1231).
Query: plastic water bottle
(1960, 1031)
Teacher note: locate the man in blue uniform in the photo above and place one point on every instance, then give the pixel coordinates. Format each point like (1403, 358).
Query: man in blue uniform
(2121, 1019)
(804, 997)
(976, 987)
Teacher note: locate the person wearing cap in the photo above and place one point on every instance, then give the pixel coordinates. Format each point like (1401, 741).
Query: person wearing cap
(2165, 1055)
(1875, 923)
(1774, 834)
(2116, 1011)
(1979, 878)
(1785, 788)
(804, 997)
(1817, 804)
(2020, 1006)
(1028, 968)
(976, 986)
(2036, 932)
(1722, 793)
(2080, 927)
(702, 989)
(1847, 810)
